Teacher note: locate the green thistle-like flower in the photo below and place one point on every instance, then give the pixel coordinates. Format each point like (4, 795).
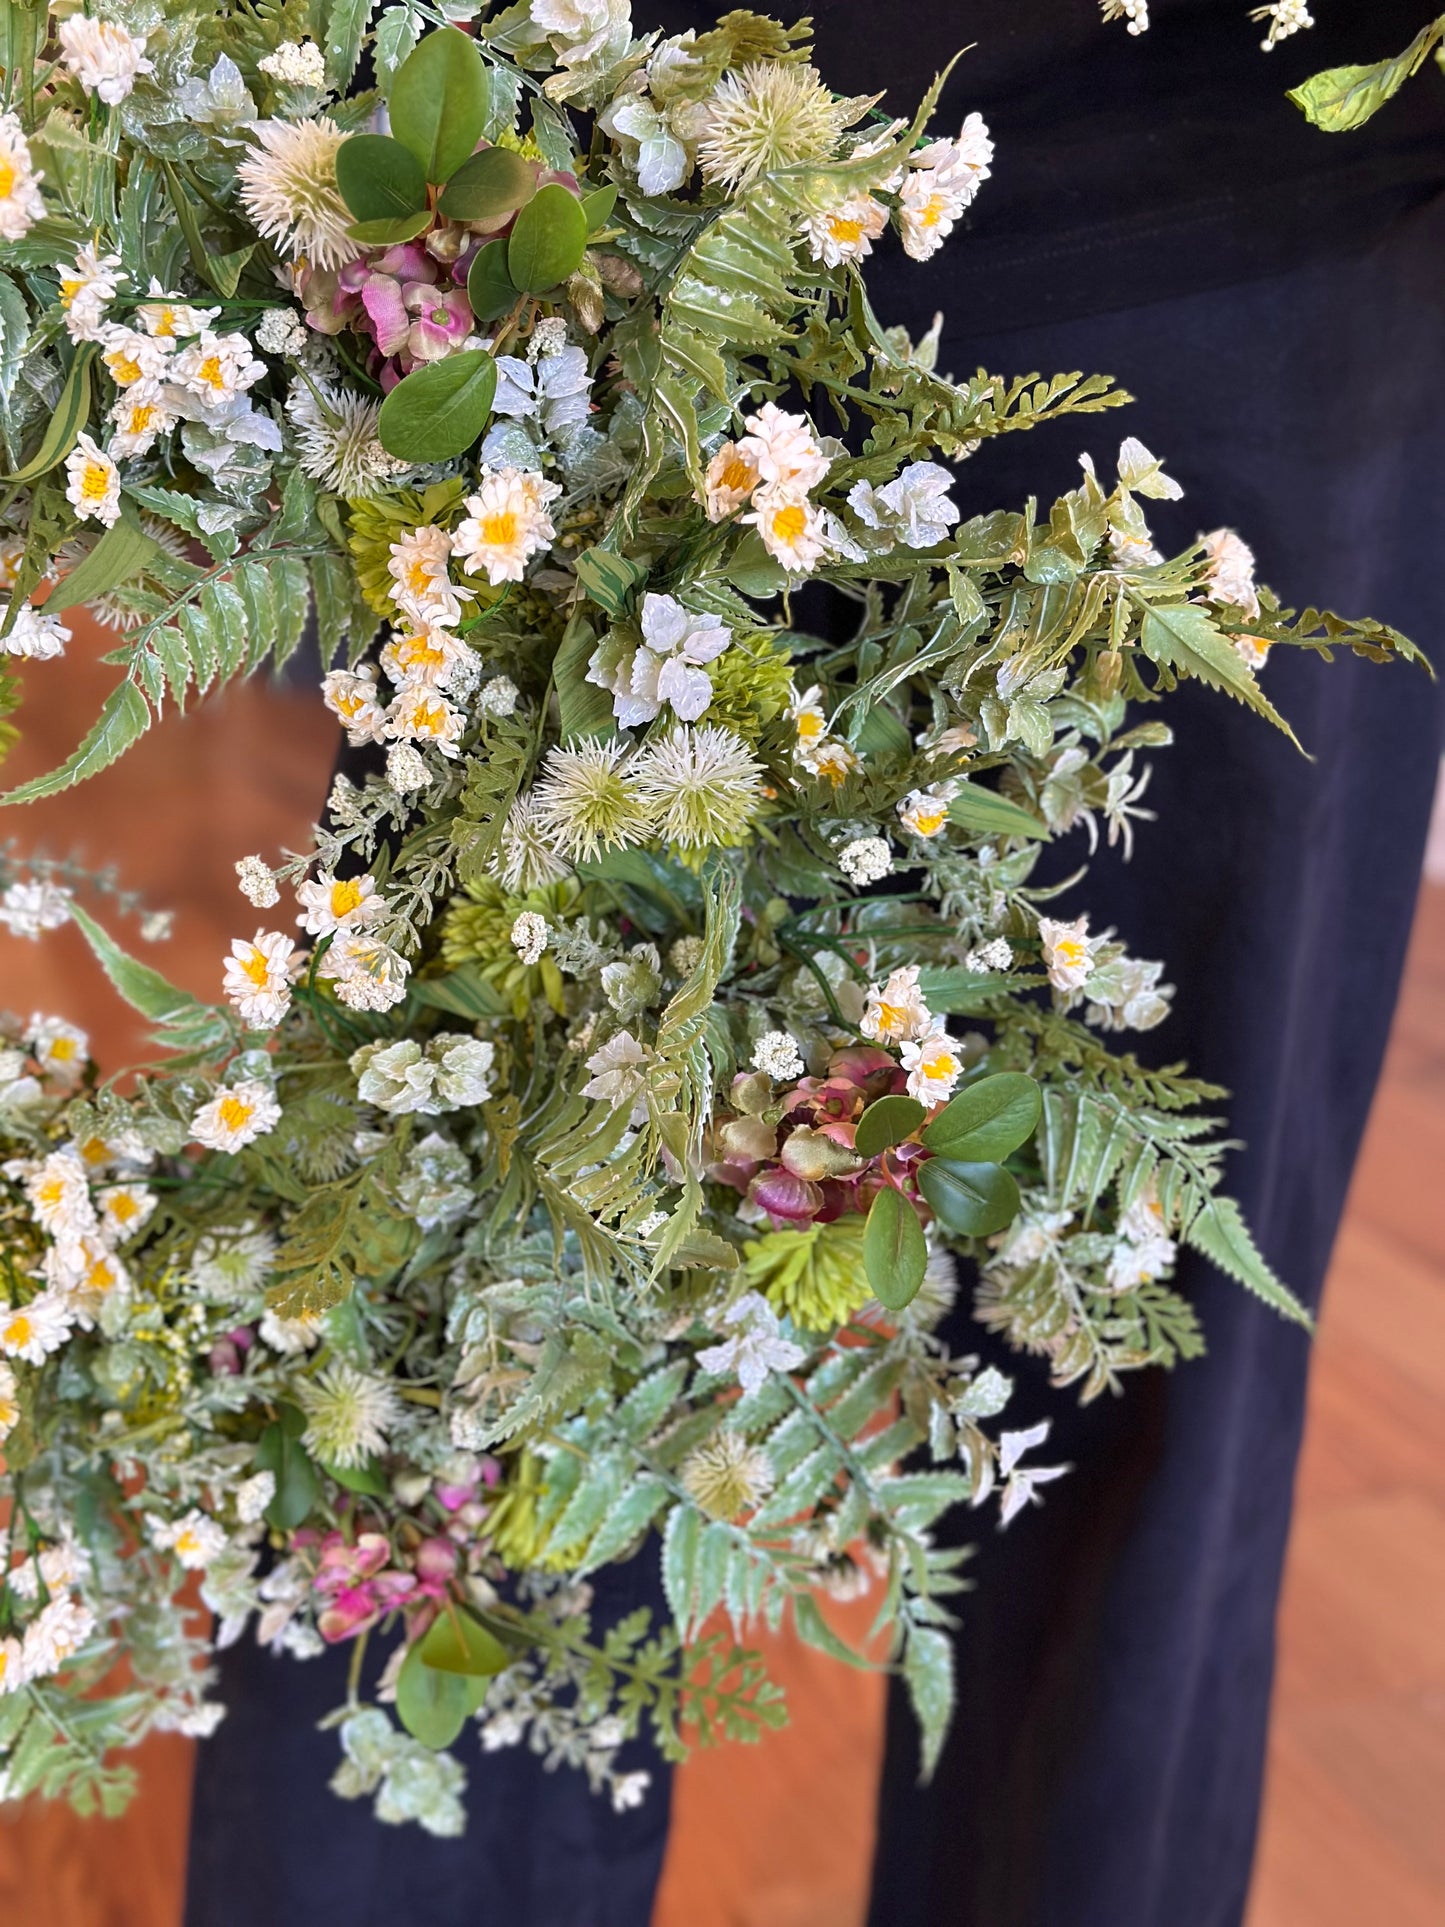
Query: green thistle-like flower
(514, 1526)
(349, 1415)
(727, 1476)
(816, 1274)
(700, 786)
(588, 800)
(751, 687)
(773, 114)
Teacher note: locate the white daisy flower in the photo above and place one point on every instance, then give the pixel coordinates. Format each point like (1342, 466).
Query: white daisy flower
(702, 787)
(55, 1635)
(83, 1272)
(216, 369)
(428, 658)
(35, 1330)
(1230, 576)
(21, 202)
(896, 1012)
(368, 973)
(350, 694)
(93, 483)
(783, 450)
(58, 1188)
(419, 565)
(124, 1209)
(336, 439)
(667, 668)
(338, 903)
(924, 813)
(139, 418)
(1068, 952)
(831, 760)
(288, 187)
(12, 1653)
(932, 1066)
(731, 477)
(929, 205)
(86, 286)
(420, 715)
(60, 1049)
(131, 356)
(257, 978)
(791, 527)
(236, 1116)
(9, 1418)
(196, 1539)
(169, 318)
(506, 523)
(846, 231)
(104, 58)
(963, 162)
(36, 635)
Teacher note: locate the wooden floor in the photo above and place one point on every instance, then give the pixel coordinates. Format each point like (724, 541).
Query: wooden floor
(780, 1835)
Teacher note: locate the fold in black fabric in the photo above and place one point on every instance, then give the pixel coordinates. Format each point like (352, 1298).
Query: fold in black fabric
(1115, 1661)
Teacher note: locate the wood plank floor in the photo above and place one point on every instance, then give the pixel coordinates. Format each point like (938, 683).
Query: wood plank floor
(780, 1835)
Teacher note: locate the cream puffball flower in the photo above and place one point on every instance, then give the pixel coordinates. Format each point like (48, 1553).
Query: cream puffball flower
(258, 978)
(236, 1116)
(21, 202)
(336, 439)
(846, 231)
(104, 58)
(933, 1067)
(897, 1012)
(288, 187)
(702, 787)
(774, 113)
(791, 528)
(506, 523)
(1068, 952)
(783, 449)
(92, 483)
(731, 477)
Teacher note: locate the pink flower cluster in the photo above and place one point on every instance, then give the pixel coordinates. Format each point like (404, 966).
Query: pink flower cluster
(360, 1584)
(794, 1158)
(409, 300)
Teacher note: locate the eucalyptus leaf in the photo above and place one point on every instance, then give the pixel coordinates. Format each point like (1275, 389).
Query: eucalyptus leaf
(489, 286)
(986, 1120)
(457, 1643)
(439, 410)
(971, 1200)
(380, 179)
(548, 239)
(895, 1251)
(431, 1704)
(488, 186)
(391, 230)
(887, 1121)
(440, 101)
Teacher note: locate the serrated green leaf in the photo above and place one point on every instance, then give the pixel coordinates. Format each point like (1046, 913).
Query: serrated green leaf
(1180, 636)
(928, 1675)
(121, 554)
(1343, 98)
(125, 717)
(1221, 1234)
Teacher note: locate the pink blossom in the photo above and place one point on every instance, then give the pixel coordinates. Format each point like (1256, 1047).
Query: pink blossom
(441, 321)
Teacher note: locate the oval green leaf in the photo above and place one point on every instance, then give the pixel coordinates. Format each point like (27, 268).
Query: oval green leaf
(438, 411)
(298, 1486)
(971, 1200)
(380, 179)
(548, 240)
(489, 286)
(987, 1120)
(433, 1705)
(887, 1122)
(598, 206)
(389, 233)
(895, 1251)
(489, 186)
(456, 1643)
(440, 100)
(365, 1478)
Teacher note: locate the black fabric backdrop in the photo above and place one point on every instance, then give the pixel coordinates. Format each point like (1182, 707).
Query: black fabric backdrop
(1114, 1663)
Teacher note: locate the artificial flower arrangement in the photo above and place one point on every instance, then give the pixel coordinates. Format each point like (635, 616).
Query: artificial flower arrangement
(677, 1000)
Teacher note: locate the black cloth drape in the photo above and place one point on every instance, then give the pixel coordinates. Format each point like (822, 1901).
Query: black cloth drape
(1274, 297)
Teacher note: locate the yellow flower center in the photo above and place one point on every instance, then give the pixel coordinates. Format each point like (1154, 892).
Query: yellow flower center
(94, 482)
(62, 1050)
(350, 703)
(163, 323)
(417, 653)
(941, 1064)
(95, 1150)
(499, 531)
(846, 231)
(187, 1544)
(68, 291)
(19, 1331)
(789, 523)
(211, 372)
(125, 368)
(51, 1193)
(932, 211)
(123, 1206)
(101, 1276)
(1071, 952)
(140, 418)
(235, 1113)
(257, 967)
(929, 820)
(810, 726)
(737, 476)
(345, 895)
(418, 576)
(429, 720)
(892, 1018)
(7, 180)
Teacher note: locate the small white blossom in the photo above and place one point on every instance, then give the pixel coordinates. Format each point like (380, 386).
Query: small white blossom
(731, 477)
(506, 523)
(932, 1065)
(783, 449)
(1230, 575)
(56, 1635)
(914, 508)
(253, 1495)
(924, 813)
(36, 635)
(236, 1116)
(865, 860)
(21, 202)
(257, 978)
(776, 1054)
(666, 668)
(897, 1011)
(281, 331)
(996, 954)
(28, 908)
(86, 285)
(196, 1538)
(296, 63)
(846, 231)
(256, 883)
(756, 1347)
(92, 483)
(351, 695)
(104, 58)
(406, 769)
(1068, 952)
(529, 936)
(35, 1330)
(60, 1049)
(330, 903)
(498, 696)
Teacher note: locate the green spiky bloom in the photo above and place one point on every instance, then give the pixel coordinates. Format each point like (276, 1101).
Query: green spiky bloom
(379, 520)
(478, 929)
(750, 687)
(816, 1274)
